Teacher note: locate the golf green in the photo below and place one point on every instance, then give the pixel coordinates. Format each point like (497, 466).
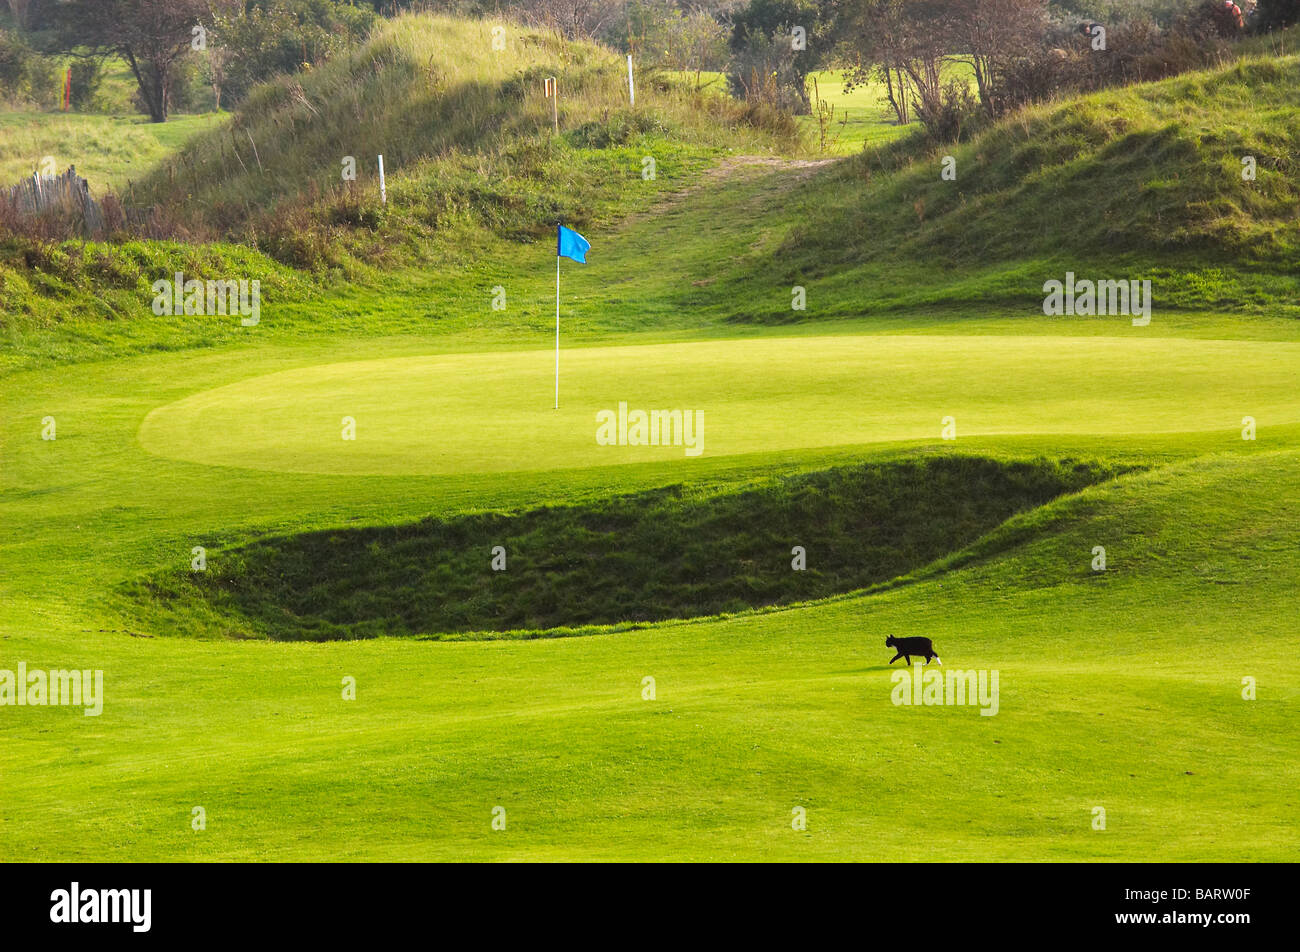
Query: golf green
(468, 413)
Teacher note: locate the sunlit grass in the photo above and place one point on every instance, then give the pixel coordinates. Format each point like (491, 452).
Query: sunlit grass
(108, 151)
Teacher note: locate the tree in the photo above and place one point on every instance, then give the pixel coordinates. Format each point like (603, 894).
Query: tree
(659, 31)
(21, 13)
(1276, 14)
(150, 36)
(699, 42)
(574, 19)
(903, 43)
(217, 55)
(775, 45)
(992, 35)
(251, 44)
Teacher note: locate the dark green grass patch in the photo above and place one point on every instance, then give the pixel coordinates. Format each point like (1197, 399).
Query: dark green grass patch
(667, 553)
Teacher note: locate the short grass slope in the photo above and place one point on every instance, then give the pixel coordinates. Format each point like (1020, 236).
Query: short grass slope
(1120, 689)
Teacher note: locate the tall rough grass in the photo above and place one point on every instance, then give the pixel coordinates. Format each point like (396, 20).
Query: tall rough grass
(465, 131)
(1149, 168)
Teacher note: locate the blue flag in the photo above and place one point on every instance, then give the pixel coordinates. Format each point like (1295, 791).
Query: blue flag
(570, 244)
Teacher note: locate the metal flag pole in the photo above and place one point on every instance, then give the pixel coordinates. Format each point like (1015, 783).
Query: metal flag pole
(557, 329)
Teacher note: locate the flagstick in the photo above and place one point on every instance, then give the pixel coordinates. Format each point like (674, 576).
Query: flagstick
(557, 332)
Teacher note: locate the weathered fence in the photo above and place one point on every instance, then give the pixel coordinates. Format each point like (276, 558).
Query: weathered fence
(60, 206)
(67, 194)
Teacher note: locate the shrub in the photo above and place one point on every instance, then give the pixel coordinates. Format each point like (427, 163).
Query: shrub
(26, 77)
(1275, 15)
(619, 129)
(956, 113)
(87, 74)
(765, 70)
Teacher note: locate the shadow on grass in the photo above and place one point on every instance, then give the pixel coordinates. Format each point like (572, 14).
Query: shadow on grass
(666, 553)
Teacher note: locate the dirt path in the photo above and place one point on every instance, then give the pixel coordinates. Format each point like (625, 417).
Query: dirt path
(800, 170)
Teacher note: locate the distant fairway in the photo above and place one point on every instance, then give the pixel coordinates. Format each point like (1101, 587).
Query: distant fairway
(109, 151)
(478, 413)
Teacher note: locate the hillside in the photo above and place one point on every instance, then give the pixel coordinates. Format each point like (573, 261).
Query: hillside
(474, 170)
(1105, 184)
(468, 139)
(1155, 167)
(1144, 181)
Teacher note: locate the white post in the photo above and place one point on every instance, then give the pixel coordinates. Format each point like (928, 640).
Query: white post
(557, 331)
(383, 189)
(631, 89)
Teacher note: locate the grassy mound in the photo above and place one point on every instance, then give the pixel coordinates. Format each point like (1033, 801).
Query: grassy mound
(1140, 182)
(673, 552)
(473, 165)
(1149, 167)
(467, 137)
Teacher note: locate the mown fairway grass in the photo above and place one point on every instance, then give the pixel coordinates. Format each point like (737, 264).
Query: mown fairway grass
(1119, 690)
